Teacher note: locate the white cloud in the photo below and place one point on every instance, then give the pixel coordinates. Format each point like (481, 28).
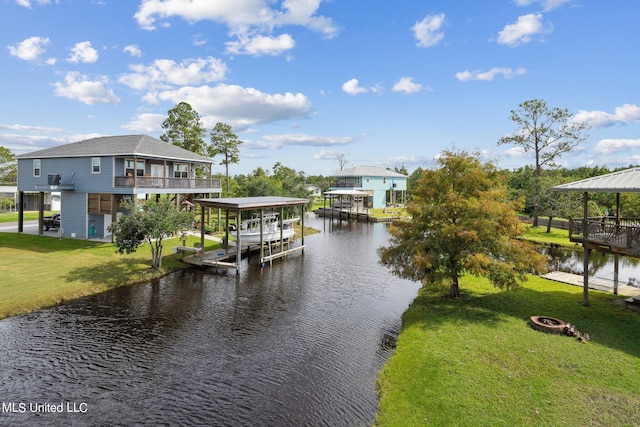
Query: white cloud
(261, 45)
(133, 50)
(78, 86)
(146, 123)
(83, 52)
(328, 155)
(407, 85)
(30, 49)
(298, 139)
(247, 14)
(239, 106)
(27, 3)
(547, 5)
(523, 30)
(507, 73)
(429, 32)
(352, 87)
(609, 146)
(163, 73)
(627, 113)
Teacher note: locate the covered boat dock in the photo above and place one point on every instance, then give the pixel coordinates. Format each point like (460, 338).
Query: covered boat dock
(238, 205)
(612, 233)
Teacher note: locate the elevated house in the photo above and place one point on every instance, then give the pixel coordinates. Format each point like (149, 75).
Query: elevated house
(382, 187)
(95, 175)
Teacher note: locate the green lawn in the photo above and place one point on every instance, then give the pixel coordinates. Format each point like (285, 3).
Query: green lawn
(477, 362)
(557, 236)
(13, 216)
(40, 271)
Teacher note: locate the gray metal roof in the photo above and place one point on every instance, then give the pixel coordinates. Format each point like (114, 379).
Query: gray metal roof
(123, 145)
(367, 171)
(245, 203)
(626, 181)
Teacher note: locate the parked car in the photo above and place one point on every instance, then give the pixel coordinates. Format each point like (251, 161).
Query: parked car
(52, 222)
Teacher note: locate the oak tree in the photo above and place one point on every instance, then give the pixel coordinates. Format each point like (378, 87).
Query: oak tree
(462, 222)
(151, 222)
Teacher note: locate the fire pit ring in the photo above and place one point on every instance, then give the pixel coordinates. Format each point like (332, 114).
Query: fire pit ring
(548, 324)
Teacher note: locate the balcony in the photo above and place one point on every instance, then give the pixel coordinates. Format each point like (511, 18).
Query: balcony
(622, 236)
(346, 184)
(166, 182)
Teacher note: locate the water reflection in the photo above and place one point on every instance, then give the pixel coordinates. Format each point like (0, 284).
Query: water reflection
(299, 343)
(601, 264)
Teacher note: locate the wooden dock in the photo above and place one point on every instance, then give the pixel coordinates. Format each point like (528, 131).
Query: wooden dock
(594, 283)
(222, 257)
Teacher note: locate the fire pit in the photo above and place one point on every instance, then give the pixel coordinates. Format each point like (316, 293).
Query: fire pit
(557, 326)
(548, 324)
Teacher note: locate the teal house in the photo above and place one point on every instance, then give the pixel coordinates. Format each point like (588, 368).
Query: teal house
(382, 187)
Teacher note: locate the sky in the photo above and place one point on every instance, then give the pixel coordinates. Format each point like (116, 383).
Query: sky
(305, 82)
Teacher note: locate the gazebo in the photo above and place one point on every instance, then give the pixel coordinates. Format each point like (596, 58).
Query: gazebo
(612, 233)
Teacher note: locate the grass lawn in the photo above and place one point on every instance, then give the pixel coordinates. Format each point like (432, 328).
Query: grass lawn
(557, 236)
(477, 362)
(13, 216)
(41, 271)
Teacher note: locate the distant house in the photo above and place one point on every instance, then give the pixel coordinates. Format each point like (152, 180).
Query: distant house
(314, 190)
(30, 200)
(94, 176)
(383, 186)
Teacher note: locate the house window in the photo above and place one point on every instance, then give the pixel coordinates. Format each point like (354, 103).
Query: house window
(95, 165)
(132, 167)
(36, 167)
(181, 170)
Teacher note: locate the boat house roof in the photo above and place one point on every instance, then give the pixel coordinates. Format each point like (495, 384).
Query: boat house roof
(246, 203)
(625, 181)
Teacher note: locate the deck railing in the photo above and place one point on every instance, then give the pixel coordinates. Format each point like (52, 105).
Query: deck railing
(622, 233)
(348, 184)
(168, 182)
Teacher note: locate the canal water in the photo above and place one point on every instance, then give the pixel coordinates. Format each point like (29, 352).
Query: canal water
(296, 344)
(601, 265)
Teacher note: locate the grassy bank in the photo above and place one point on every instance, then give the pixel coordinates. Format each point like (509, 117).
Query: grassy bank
(41, 271)
(477, 362)
(556, 236)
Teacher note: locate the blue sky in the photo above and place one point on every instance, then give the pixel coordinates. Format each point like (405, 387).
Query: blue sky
(303, 81)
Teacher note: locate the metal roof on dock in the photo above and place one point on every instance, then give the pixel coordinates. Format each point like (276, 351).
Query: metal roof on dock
(245, 203)
(625, 181)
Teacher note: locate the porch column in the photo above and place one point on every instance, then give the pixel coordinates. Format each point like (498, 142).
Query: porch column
(40, 212)
(21, 212)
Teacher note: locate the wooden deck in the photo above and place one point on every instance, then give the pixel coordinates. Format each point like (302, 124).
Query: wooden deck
(619, 237)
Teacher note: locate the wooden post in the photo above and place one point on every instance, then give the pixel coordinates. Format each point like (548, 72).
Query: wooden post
(202, 208)
(41, 212)
(585, 236)
(238, 242)
(21, 212)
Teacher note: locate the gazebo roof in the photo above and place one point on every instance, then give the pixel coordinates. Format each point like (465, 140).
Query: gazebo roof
(625, 181)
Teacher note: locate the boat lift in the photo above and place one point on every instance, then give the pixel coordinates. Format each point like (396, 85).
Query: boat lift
(238, 205)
